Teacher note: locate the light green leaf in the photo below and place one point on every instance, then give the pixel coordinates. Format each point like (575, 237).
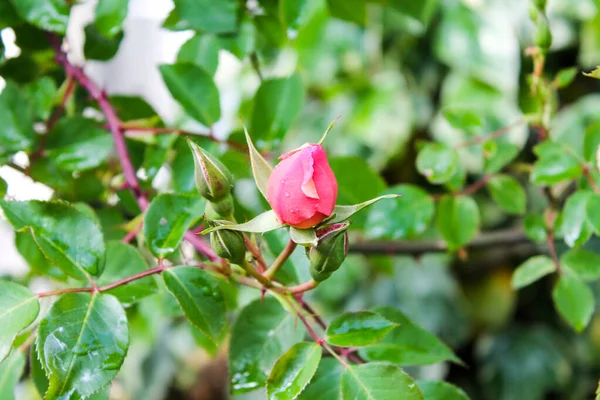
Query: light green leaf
(464, 119)
(200, 297)
(293, 370)
(262, 223)
(16, 121)
(593, 211)
(193, 88)
(49, 15)
(168, 218)
(52, 225)
(276, 104)
(535, 227)
(123, 260)
(503, 153)
(262, 332)
(378, 381)
(10, 373)
(508, 193)
(358, 328)
(555, 164)
(297, 13)
(342, 213)
(583, 262)
(593, 74)
(438, 390)
(303, 237)
(532, 270)
(18, 309)
(407, 343)
(591, 143)
(209, 15)
(202, 50)
(325, 385)
(437, 162)
(82, 343)
(565, 76)
(574, 300)
(458, 220)
(260, 167)
(575, 226)
(110, 15)
(349, 10)
(3, 188)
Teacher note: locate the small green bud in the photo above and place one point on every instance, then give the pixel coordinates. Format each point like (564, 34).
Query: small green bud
(222, 209)
(227, 244)
(543, 36)
(533, 12)
(540, 4)
(213, 179)
(330, 252)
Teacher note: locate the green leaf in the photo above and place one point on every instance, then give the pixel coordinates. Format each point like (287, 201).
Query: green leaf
(593, 74)
(303, 237)
(349, 10)
(208, 15)
(10, 373)
(358, 328)
(407, 343)
(458, 220)
(38, 375)
(535, 227)
(261, 333)
(8, 15)
(378, 381)
(574, 300)
(437, 162)
(406, 217)
(52, 225)
(262, 223)
(3, 188)
(297, 13)
(79, 144)
(41, 94)
(464, 119)
(202, 50)
(508, 193)
(261, 169)
(276, 103)
(122, 261)
(532, 270)
(110, 15)
(503, 153)
(591, 143)
(99, 47)
(342, 213)
(438, 390)
(193, 88)
(565, 76)
(82, 343)
(555, 164)
(325, 384)
(293, 370)
(18, 309)
(168, 218)
(593, 211)
(583, 262)
(15, 119)
(49, 15)
(575, 226)
(200, 297)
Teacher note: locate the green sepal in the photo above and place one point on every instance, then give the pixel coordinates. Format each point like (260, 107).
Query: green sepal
(262, 223)
(342, 213)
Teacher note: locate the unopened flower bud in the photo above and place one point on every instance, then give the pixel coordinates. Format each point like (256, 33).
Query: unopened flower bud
(213, 179)
(222, 209)
(540, 4)
(543, 36)
(227, 244)
(329, 254)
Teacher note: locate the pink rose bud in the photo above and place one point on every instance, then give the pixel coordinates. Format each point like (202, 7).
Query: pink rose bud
(302, 188)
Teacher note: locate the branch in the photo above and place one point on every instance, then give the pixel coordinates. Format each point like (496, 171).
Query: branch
(140, 130)
(281, 259)
(491, 136)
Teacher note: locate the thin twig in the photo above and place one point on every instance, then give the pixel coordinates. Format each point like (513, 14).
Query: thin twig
(140, 130)
(491, 136)
(281, 259)
(256, 253)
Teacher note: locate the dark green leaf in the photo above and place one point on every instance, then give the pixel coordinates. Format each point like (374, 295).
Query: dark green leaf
(593, 211)
(262, 332)
(167, 219)
(78, 144)
(15, 119)
(208, 15)
(583, 262)
(110, 15)
(574, 300)
(49, 15)
(591, 143)
(242, 43)
(193, 88)
(438, 390)
(122, 261)
(535, 227)
(458, 220)
(437, 162)
(508, 193)
(293, 370)
(3, 188)
(8, 15)
(202, 50)
(276, 104)
(99, 46)
(555, 164)
(200, 297)
(41, 95)
(38, 262)
(378, 381)
(52, 225)
(325, 385)
(18, 309)
(349, 10)
(82, 343)
(575, 226)
(532, 270)
(358, 328)
(406, 217)
(406, 344)
(38, 375)
(10, 373)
